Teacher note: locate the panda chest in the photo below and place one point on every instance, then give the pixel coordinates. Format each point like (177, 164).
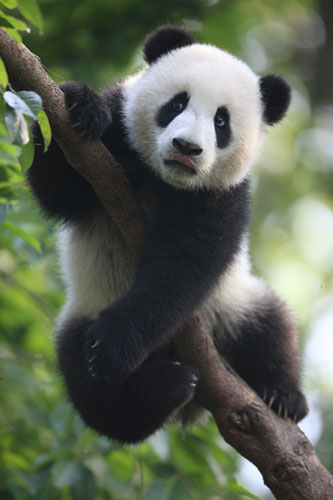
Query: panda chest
(96, 265)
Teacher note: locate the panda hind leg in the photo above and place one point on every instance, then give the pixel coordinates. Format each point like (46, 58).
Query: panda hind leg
(131, 410)
(265, 354)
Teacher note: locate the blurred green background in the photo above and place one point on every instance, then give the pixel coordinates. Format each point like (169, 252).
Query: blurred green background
(45, 451)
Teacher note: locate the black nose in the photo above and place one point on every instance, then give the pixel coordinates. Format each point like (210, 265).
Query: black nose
(186, 148)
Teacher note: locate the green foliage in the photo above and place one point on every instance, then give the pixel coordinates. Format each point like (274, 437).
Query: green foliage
(18, 106)
(3, 75)
(28, 9)
(45, 128)
(45, 451)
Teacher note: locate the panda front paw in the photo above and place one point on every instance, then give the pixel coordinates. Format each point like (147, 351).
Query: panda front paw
(285, 404)
(108, 354)
(89, 115)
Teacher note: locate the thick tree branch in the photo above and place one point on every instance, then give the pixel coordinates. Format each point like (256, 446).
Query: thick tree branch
(277, 447)
(90, 158)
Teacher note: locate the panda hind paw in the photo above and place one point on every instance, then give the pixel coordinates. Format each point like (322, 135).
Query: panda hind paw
(290, 405)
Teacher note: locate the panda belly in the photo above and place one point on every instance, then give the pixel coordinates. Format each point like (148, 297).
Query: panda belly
(97, 269)
(96, 266)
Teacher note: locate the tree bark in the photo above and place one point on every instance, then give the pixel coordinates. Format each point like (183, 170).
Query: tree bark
(279, 449)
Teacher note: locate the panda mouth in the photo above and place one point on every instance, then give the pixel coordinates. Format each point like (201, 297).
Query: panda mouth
(182, 162)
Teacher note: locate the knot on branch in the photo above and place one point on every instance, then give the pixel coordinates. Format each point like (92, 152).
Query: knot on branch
(303, 447)
(242, 420)
(280, 472)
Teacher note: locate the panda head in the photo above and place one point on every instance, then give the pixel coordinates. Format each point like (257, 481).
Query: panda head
(196, 114)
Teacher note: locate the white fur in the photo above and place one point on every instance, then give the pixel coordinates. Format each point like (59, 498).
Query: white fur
(212, 78)
(237, 295)
(96, 266)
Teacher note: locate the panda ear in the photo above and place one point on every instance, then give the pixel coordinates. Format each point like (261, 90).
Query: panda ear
(164, 39)
(276, 96)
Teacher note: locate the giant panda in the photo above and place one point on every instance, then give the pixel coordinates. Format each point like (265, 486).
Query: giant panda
(187, 129)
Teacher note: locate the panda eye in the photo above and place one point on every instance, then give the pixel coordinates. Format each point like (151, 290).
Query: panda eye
(219, 121)
(178, 106)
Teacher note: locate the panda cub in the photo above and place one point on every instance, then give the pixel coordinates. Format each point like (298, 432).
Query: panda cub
(187, 128)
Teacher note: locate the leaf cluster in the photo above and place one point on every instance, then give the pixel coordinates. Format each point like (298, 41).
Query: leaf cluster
(18, 110)
(25, 11)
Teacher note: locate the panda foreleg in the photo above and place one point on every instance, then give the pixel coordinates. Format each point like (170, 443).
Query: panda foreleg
(129, 411)
(61, 191)
(266, 356)
(89, 112)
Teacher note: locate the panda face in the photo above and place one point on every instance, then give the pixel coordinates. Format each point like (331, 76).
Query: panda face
(195, 117)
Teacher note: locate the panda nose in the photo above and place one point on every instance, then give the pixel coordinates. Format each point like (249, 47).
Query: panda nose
(186, 148)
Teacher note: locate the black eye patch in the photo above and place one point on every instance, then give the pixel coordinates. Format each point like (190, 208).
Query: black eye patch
(171, 109)
(222, 127)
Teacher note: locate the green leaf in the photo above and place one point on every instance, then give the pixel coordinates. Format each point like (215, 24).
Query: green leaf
(156, 491)
(4, 23)
(10, 4)
(27, 154)
(28, 238)
(66, 473)
(31, 12)
(3, 212)
(3, 75)
(233, 487)
(45, 128)
(28, 102)
(17, 126)
(177, 491)
(14, 22)
(32, 100)
(85, 488)
(8, 154)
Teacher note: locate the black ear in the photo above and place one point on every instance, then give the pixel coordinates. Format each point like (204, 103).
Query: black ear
(164, 39)
(275, 95)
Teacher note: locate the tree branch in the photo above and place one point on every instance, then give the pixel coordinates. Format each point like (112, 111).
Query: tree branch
(278, 448)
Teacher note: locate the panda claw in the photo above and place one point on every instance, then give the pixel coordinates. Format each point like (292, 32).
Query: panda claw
(285, 414)
(77, 124)
(264, 395)
(73, 106)
(95, 344)
(271, 401)
(280, 410)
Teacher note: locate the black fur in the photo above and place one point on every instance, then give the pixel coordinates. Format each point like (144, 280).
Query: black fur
(265, 354)
(62, 192)
(90, 115)
(223, 133)
(276, 96)
(191, 239)
(165, 39)
(131, 410)
(171, 109)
